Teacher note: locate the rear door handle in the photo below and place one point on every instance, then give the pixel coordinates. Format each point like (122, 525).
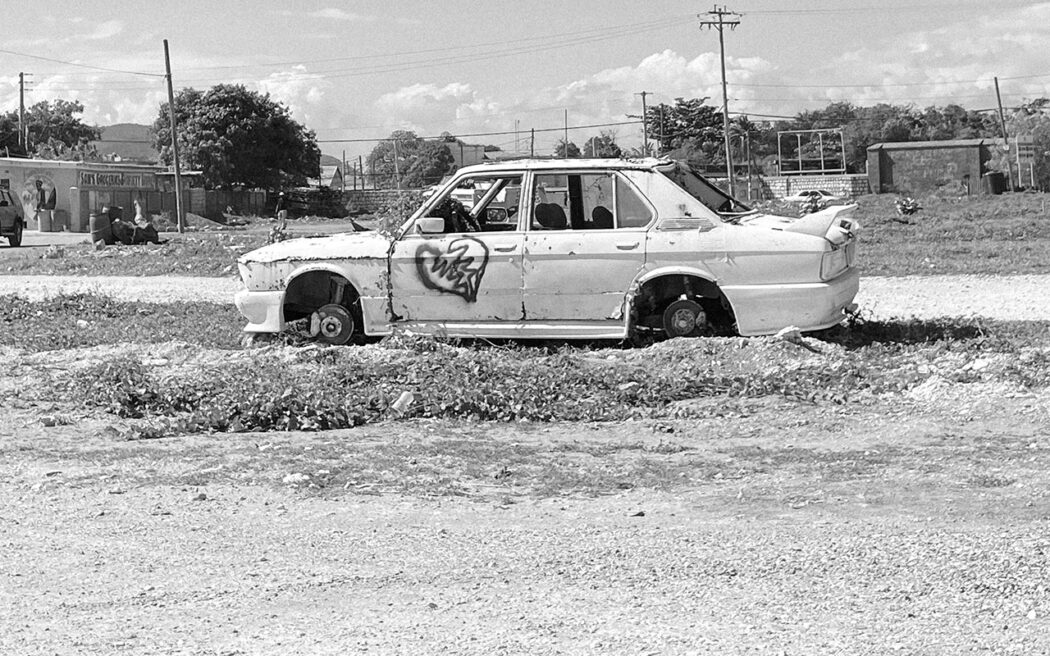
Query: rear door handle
(627, 245)
(505, 248)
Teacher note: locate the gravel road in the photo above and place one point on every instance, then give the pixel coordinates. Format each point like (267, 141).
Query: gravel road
(998, 297)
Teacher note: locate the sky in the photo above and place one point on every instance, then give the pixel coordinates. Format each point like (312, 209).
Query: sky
(490, 72)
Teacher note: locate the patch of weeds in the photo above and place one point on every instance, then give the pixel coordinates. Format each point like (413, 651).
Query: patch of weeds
(990, 481)
(213, 254)
(325, 388)
(83, 320)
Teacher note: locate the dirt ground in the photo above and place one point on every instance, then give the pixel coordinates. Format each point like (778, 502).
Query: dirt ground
(913, 523)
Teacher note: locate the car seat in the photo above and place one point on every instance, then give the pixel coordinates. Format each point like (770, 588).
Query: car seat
(551, 216)
(601, 218)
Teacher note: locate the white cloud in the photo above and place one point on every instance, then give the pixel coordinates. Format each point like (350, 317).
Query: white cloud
(304, 93)
(105, 30)
(334, 13)
(952, 64)
(427, 108)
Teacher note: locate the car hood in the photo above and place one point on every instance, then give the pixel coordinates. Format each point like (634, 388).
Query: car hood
(347, 246)
(833, 223)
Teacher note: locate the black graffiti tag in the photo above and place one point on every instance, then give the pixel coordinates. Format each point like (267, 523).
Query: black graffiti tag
(455, 270)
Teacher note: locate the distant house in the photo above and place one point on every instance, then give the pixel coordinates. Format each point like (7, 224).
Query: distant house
(331, 177)
(127, 143)
(920, 167)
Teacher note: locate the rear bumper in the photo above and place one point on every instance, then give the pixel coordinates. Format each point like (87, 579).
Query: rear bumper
(263, 310)
(765, 309)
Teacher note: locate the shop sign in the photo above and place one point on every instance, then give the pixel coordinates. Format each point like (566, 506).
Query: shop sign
(117, 179)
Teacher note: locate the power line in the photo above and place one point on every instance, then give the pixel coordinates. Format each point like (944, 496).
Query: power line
(491, 134)
(69, 63)
(575, 35)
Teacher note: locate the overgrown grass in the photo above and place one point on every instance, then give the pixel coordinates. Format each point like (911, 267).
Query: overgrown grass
(995, 235)
(212, 254)
(1008, 234)
(82, 320)
(321, 389)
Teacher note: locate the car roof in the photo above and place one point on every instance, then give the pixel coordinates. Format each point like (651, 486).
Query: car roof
(641, 163)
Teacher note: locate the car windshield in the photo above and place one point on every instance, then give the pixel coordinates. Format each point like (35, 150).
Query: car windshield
(701, 189)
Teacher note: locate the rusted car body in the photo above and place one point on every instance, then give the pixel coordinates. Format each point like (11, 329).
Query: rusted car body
(564, 249)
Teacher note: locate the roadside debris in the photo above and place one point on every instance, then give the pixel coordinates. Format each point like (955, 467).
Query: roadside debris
(792, 335)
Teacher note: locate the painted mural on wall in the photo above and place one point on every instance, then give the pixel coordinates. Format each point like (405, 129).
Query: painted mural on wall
(38, 194)
(456, 270)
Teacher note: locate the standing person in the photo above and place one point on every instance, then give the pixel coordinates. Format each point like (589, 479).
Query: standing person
(43, 212)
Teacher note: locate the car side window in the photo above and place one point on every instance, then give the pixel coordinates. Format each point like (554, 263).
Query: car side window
(480, 204)
(586, 201)
(631, 209)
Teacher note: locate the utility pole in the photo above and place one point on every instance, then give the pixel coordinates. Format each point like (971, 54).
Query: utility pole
(661, 148)
(180, 218)
(566, 153)
(22, 112)
(721, 13)
(532, 144)
(645, 123)
(1006, 137)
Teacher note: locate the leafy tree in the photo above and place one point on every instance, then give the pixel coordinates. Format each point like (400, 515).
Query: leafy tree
(1033, 119)
(603, 145)
(238, 137)
(9, 141)
(55, 131)
(566, 149)
(415, 161)
(687, 126)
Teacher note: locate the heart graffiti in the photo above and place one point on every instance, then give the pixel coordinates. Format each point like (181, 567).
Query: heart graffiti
(455, 270)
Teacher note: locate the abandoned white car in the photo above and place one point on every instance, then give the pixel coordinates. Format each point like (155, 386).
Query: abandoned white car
(563, 249)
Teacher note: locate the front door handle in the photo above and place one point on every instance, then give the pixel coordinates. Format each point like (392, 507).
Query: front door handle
(505, 248)
(627, 245)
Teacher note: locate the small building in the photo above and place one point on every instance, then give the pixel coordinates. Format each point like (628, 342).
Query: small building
(58, 195)
(331, 177)
(921, 167)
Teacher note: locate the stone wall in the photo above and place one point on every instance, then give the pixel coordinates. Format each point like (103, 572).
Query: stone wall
(370, 200)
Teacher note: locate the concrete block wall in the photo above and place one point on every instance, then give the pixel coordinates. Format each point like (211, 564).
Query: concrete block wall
(786, 185)
(370, 200)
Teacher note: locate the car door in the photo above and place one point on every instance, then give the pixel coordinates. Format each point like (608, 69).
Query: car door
(584, 246)
(470, 272)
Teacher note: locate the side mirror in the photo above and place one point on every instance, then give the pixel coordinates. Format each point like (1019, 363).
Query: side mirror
(3, 203)
(430, 225)
(496, 215)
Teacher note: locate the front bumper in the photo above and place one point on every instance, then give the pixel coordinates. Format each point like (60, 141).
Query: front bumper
(264, 310)
(765, 309)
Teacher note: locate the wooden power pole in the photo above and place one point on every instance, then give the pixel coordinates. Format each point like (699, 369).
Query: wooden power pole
(180, 218)
(645, 123)
(22, 140)
(719, 23)
(1006, 137)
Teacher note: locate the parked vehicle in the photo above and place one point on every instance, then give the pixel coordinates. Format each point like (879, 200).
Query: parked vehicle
(12, 223)
(819, 195)
(596, 249)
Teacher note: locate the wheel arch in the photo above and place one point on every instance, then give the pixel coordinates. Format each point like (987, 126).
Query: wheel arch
(658, 288)
(310, 287)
